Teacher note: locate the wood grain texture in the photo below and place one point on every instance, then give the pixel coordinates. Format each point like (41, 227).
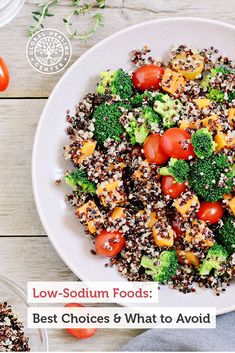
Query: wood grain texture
(32, 259)
(18, 121)
(118, 15)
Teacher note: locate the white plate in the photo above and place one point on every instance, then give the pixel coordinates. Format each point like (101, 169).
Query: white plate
(63, 229)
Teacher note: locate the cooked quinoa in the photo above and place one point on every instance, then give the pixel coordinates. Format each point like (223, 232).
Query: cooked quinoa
(119, 189)
(12, 337)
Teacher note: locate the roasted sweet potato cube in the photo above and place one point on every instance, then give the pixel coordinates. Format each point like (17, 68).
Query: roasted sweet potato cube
(90, 214)
(142, 170)
(187, 257)
(186, 204)
(212, 123)
(199, 234)
(230, 202)
(231, 116)
(163, 236)
(110, 192)
(118, 212)
(87, 149)
(173, 82)
(224, 140)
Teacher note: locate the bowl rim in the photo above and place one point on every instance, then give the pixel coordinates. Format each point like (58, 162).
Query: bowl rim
(64, 258)
(22, 295)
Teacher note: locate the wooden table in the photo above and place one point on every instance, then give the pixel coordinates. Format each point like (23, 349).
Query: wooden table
(26, 253)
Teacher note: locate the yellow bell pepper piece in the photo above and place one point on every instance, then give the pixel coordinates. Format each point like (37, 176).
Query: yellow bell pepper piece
(190, 66)
(202, 102)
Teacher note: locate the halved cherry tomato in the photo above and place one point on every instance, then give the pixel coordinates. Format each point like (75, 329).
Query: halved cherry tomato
(171, 187)
(80, 332)
(152, 150)
(211, 212)
(176, 143)
(109, 244)
(4, 75)
(176, 226)
(147, 77)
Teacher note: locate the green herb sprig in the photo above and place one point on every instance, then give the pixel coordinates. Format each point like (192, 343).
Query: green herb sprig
(78, 9)
(39, 16)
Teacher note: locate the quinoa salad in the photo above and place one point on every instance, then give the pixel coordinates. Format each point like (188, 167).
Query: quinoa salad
(12, 337)
(152, 172)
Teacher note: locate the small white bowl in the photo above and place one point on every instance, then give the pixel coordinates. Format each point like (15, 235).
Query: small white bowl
(9, 9)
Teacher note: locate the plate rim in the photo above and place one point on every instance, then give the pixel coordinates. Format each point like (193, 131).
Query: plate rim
(75, 270)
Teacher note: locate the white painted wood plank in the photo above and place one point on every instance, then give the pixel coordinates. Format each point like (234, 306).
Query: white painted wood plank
(18, 121)
(120, 14)
(30, 259)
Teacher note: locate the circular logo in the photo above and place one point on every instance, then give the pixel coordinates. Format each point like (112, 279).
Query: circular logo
(49, 51)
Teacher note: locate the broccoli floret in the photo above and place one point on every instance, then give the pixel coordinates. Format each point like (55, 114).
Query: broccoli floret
(107, 122)
(178, 168)
(216, 95)
(220, 69)
(226, 234)
(231, 97)
(223, 69)
(162, 269)
(203, 143)
(77, 179)
(142, 98)
(116, 82)
(167, 108)
(214, 258)
(211, 178)
(138, 131)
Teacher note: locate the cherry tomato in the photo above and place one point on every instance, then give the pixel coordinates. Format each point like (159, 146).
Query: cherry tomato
(147, 77)
(152, 150)
(171, 187)
(176, 226)
(80, 332)
(174, 142)
(211, 212)
(4, 75)
(109, 244)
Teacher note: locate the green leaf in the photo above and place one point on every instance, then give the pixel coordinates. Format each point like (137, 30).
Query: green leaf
(101, 3)
(36, 13)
